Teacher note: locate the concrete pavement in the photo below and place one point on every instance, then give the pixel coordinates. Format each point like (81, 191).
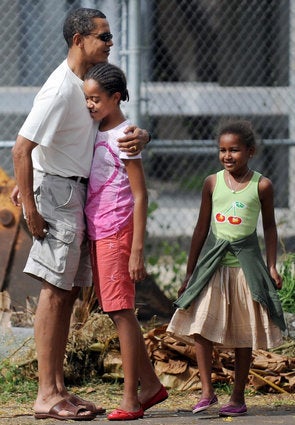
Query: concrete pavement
(281, 415)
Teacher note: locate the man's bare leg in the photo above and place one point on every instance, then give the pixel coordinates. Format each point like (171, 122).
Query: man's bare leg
(51, 330)
(67, 312)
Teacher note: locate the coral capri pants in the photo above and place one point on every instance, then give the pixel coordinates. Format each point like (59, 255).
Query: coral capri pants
(110, 257)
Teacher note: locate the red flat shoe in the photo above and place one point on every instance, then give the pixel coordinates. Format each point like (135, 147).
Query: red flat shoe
(160, 396)
(123, 415)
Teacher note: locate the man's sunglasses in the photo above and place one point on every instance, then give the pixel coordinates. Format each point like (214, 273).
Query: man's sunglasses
(105, 36)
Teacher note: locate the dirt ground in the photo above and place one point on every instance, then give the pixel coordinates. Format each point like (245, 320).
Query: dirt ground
(109, 396)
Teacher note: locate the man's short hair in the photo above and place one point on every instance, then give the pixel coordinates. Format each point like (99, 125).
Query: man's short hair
(80, 21)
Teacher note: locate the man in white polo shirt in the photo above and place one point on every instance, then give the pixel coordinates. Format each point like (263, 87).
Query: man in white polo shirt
(52, 158)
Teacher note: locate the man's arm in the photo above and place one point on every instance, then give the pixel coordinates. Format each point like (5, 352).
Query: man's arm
(23, 169)
(134, 141)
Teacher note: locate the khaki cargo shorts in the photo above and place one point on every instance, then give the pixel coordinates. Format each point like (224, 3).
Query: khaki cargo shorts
(62, 257)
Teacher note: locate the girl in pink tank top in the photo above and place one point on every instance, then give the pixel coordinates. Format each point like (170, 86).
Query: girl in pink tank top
(116, 212)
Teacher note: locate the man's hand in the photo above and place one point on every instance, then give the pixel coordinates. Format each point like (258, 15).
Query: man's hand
(15, 197)
(36, 225)
(134, 141)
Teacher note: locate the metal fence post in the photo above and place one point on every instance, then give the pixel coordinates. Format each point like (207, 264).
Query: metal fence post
(133, 60)
(291, 182)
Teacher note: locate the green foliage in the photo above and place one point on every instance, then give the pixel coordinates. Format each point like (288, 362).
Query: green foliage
(151, 208)
(15, 384)
(223, 388)
(287, 293)
(168, 267)
(226, 388)
(167, 262)
(175, 260)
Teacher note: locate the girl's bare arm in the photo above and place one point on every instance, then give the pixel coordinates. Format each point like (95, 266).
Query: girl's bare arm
(137, 182)
(266, 196)
(201, 229)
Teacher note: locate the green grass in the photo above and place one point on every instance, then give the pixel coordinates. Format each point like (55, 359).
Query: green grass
(14, 385)
(287, 293)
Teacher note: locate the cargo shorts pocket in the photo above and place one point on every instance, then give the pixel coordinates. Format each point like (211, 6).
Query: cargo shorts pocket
(52, 251)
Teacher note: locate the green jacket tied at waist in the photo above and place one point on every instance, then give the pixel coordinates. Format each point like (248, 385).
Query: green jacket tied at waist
(247, 250)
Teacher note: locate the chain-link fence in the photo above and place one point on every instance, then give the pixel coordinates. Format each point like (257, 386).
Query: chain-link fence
(190, 63)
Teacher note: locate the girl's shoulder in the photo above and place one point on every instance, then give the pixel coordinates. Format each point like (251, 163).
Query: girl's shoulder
(256, 176)
(209, 183)
(264, 182)
(261, 179)
(215, 178)
(265, 188)
(120, 128)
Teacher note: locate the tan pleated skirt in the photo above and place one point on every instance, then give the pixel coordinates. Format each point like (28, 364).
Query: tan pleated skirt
(226, 314)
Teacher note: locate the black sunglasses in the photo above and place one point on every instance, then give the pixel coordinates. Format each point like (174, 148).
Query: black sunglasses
(105, 36)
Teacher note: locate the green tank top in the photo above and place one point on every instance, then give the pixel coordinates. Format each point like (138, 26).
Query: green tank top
(234, 214)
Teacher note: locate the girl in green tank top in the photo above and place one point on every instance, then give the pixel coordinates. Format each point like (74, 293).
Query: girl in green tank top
(231, 202)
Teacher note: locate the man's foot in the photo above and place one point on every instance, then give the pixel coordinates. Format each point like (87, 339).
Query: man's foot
(65, 410)
(89, 405)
